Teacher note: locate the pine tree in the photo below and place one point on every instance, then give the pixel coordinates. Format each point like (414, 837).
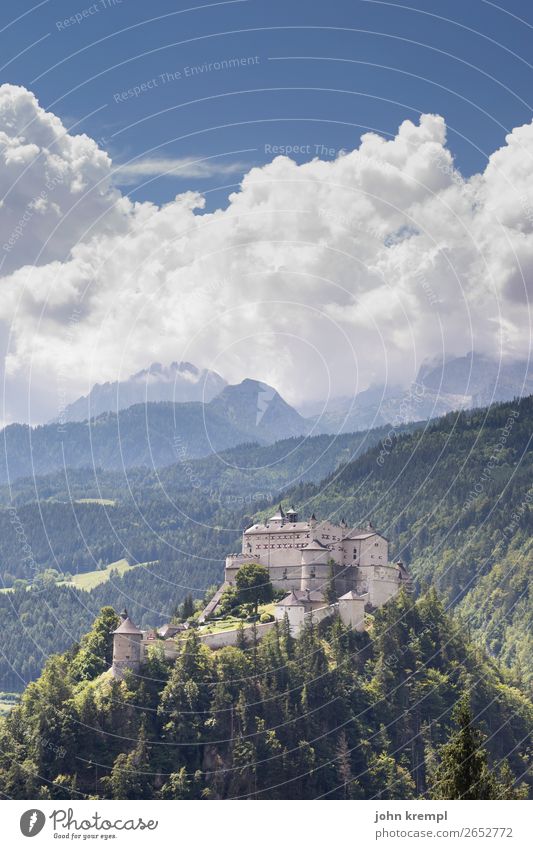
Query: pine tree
(343, 766)
(187, 608)
(96, 648)
(130, 777)
(463, 772)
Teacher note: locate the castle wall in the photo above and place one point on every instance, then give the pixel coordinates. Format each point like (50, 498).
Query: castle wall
(220, 639)
(295, 614)
(359, 564)
(351, 550)
(374, 551)
(315, 576)
(345, 579)
(321, 613)
(284, 544)
(127, 647)
(352, 612)
(286, 577)
(380, 582)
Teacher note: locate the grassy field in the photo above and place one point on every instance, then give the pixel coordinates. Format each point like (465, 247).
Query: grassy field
(8, 702)
(90, 580)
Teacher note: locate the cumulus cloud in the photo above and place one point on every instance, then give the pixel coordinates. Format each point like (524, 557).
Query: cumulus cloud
(320, 277)
(55, 188)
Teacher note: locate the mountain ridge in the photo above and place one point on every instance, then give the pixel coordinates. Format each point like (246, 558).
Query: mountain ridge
(153, 434)
(180, 382)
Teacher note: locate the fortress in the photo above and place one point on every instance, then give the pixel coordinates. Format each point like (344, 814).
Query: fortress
(325, 569)
(310, 555)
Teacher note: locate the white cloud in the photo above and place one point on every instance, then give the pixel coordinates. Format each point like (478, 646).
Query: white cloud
(179, 167)
(55, 187)
(323, 274)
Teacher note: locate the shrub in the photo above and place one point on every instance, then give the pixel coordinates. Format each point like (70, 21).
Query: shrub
(266, 617)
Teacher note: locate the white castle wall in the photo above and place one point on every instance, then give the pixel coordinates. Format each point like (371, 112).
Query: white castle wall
(374, 551)
(220, 639)
(380, 582)
(352, 612)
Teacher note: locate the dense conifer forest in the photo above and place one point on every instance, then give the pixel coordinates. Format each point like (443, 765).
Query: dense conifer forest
(332, 714)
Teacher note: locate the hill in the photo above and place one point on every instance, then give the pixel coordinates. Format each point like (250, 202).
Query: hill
(51, 617)
(333, 714)
(453, 497)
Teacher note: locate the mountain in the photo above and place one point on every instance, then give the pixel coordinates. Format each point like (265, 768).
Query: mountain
(151, 434)
(260, 410)
(441, 386)
(178, 383)
(479, 380)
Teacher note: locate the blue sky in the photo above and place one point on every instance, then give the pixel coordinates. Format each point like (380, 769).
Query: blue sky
(316, 75)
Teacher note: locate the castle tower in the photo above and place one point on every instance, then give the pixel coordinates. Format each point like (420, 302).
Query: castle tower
(278, 519)
(127, 647)
(315, 568)
(352, 610)
(291, 514)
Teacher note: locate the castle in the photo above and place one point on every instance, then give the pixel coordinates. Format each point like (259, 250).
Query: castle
(307, 556)
(325, 569)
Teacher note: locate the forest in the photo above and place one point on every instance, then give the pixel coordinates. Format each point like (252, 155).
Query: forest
(332, 714)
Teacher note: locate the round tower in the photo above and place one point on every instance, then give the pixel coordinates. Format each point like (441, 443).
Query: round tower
(127, 647)
(315, 568)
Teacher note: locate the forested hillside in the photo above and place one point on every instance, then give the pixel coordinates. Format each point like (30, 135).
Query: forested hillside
(39, 622)
(456, 501)
(145, 434)
(149, 514)
(333, 714)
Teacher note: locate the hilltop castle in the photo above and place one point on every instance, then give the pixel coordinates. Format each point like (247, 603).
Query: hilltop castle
(307, 556)
(326, 569)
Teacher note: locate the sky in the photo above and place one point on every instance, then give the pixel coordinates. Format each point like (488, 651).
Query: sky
(320, 196)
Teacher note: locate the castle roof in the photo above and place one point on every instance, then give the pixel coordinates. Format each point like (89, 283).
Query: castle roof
(315, 545)
(289, 600)
(350, 595)
(127, 626)
(279, 516)
(310, 595)
(301, 598)
(169, 629)
(282, 529)
(357, 534)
